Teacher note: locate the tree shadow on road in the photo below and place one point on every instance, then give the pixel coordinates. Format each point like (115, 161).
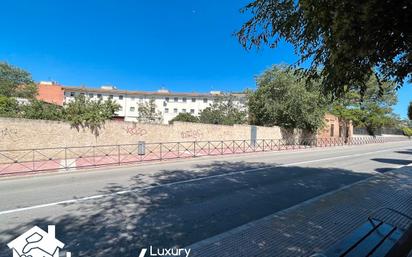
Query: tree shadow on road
(220, 197)
(393, 161)
(408, 151)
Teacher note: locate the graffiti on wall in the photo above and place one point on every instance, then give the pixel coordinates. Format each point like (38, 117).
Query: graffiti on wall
(8, 133)
(192, 134)
(135, 131)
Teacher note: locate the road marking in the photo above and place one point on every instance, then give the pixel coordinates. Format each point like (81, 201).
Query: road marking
(93, 197)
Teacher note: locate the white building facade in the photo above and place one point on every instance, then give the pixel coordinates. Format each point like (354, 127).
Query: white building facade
(167, 103)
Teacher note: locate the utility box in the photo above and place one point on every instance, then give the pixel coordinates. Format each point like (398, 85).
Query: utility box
(253, 135)
(141, 148)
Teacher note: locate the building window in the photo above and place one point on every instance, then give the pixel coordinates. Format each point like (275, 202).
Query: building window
(82, 94)
(175, 110)
(120, 108)
(167, 99)
(164, 104)
(205, 100)
(110, 96)
(166, 110)
(71, 93)
(332, 129)
(193, 100)
(184, 99)
(120, 97)
(91, 95)
(99, 96)
(184, 110)
(192, 111)
(132, 98)
(132, 109)
(176, 99)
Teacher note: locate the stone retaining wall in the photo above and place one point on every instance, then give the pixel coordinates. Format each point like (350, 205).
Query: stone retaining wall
(33, 134)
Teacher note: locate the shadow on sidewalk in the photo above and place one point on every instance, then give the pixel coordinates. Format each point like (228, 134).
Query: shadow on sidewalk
(182, 213)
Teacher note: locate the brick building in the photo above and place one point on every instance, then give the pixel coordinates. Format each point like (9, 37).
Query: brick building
(50, 92)
(335, 128)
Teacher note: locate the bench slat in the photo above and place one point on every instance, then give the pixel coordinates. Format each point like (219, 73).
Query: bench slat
(376, 238)
(353, 239)
(388, 244)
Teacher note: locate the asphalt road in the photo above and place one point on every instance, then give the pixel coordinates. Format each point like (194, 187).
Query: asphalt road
(116, 212)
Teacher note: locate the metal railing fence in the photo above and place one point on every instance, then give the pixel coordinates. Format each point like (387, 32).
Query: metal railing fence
(64, 158)
(378, 131)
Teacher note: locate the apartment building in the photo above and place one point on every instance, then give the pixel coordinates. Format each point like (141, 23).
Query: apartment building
(170, 104)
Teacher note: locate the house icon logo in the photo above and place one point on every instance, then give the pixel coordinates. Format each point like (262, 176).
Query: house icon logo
(37, 243)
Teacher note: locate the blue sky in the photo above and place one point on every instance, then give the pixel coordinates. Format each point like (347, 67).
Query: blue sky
(182, 45)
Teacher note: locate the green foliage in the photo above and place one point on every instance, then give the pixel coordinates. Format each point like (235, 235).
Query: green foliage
(34, 109)
(148, 113)
(15, 82)
(410, 111)
(9, 107)
(224, 111)
(185, 117)
(283, 99)
(348, 40)
(41, 111)
(407, 131)
(83, 112)
(371, 109)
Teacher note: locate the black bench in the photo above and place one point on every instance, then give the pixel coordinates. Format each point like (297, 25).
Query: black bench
(375, 238)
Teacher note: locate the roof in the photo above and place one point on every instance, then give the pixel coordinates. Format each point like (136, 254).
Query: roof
(152, 93)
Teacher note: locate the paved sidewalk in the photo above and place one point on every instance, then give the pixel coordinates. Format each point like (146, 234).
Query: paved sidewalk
(317, 224)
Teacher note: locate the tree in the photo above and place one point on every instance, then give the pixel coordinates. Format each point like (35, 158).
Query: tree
(15, 82)
(282, 99)
(185, 117)
(148, 113)
(348, 40)
(224, 111)
(9, 107)
(83, 112)
(41, 111)
(407, 131)
(410, 111)
(371, 109)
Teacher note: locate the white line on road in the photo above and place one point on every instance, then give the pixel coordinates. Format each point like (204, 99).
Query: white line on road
(72, 201)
